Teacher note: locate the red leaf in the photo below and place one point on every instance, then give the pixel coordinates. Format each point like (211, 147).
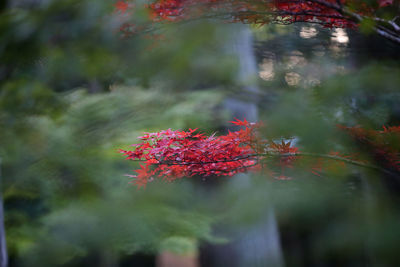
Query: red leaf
(121, 6)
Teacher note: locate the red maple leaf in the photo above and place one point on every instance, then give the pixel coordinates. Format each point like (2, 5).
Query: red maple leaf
(173, 154)
(383, 3)
(121, 6)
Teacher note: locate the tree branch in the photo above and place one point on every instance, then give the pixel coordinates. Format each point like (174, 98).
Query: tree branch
(283, 155)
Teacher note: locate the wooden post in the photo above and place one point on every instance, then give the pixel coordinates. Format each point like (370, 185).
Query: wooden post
(170, 259)
(178, 252)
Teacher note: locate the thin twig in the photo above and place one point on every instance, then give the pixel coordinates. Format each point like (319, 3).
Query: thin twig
(275, 154)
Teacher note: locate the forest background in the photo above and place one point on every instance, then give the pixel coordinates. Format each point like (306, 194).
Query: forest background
(74, 89)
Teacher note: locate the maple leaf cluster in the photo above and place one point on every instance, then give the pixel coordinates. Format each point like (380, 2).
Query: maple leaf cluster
(326, 12)
(173, 154)
(170, 154)
(383, 145)
(329, 13)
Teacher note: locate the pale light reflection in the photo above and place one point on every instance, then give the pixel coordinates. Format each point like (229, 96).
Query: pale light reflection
(340, 36)
(308, 32)
(267, 69)
(292, 78)
(296, 59)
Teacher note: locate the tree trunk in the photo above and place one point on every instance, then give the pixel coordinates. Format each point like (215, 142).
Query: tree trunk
(260, 246)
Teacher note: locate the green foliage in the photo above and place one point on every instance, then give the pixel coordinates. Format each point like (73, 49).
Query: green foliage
(72, 92)
(342, 222)
(179, 245)
(69, 182)
(21, 97)
(367, 26)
